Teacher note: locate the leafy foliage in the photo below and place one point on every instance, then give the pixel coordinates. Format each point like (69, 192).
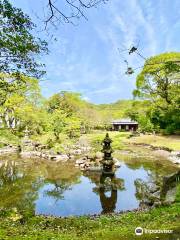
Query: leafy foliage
(159, 82)
(18, 49)
(18, 46)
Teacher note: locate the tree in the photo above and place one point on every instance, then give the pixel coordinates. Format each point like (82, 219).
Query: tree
(159, 78)
(58, 122)
(159, 82)
(66, 101)
(140, 111)
(24, 107)
(18, 48)
(73, 125)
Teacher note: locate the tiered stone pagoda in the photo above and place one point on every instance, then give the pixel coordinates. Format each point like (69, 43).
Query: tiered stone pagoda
(108, 163)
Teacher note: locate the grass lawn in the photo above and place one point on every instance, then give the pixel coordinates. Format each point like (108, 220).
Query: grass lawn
(95, 139)
(104, 227)
(120, 139)
(172, 142)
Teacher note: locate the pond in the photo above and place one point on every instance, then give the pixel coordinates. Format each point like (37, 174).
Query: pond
(60, 189)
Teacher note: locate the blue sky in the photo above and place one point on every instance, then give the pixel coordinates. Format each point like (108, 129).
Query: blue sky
(85, 58)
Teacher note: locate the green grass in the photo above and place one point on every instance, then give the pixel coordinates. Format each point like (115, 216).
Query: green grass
(120, 140)
(95, 139)
(178, 194)
(172, 142)
(104, 227)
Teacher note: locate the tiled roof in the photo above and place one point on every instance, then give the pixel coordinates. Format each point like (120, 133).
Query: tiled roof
(124, 121)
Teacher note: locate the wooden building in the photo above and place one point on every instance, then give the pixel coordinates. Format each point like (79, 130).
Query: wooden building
(124, 125)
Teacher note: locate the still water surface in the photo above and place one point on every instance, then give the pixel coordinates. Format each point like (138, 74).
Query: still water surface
(59, 189)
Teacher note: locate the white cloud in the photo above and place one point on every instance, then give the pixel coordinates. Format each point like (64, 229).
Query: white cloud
(123, 23)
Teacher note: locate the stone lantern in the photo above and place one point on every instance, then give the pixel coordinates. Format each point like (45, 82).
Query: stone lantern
(107, 161)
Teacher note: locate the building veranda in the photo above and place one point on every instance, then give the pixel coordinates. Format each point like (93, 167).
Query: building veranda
(124, 125)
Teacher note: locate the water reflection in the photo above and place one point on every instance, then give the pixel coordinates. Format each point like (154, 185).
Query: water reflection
(45, 187)
(61, 179)
(107, 187)
(157, 190)
(109, 183)
(18, 188)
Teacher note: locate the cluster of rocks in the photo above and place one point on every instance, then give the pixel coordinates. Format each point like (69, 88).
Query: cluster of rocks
(46, 155)
(9, 149)
(153, 147)
(32, 149)
(173, 156)
(93, 163)
(79, 149)
(155, 197)
(163, 194)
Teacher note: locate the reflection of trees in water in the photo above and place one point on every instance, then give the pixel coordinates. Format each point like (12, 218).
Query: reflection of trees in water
(58, 190)
(18, 188)
(8, 173)
(107, 186)
(146, 189)
(21, 180)
(62, 178)
(155, 165)
(154, 190)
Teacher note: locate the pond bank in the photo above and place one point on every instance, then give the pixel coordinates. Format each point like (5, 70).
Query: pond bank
(153, 151)
(167, 147)
(106, 227)
(24, 225)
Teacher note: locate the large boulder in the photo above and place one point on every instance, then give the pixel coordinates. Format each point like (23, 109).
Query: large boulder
(162, 153)
(175, 157)
(171, 195)
(76, 151)
(80, 161)
(8, 150)
(117, 164)
(28, 154)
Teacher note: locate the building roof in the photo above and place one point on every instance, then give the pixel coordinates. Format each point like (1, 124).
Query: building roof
(124, 121)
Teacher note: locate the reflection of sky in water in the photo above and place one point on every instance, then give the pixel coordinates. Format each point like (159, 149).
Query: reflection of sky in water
(127, 199)
(82, 200)
(77, 201)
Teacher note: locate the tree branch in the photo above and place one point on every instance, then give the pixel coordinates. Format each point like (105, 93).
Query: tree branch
(76, 6)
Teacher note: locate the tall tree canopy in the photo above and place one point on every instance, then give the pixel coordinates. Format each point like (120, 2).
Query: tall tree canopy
(159, 81)
(18, 49)
(160, 78)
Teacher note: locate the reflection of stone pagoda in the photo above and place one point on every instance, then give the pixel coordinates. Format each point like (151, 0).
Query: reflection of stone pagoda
(107, 161)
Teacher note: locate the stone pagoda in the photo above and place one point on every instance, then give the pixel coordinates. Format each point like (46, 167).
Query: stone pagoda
(108, 162)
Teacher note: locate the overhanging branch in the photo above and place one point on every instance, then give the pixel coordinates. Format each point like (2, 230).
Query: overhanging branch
(75, 10)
